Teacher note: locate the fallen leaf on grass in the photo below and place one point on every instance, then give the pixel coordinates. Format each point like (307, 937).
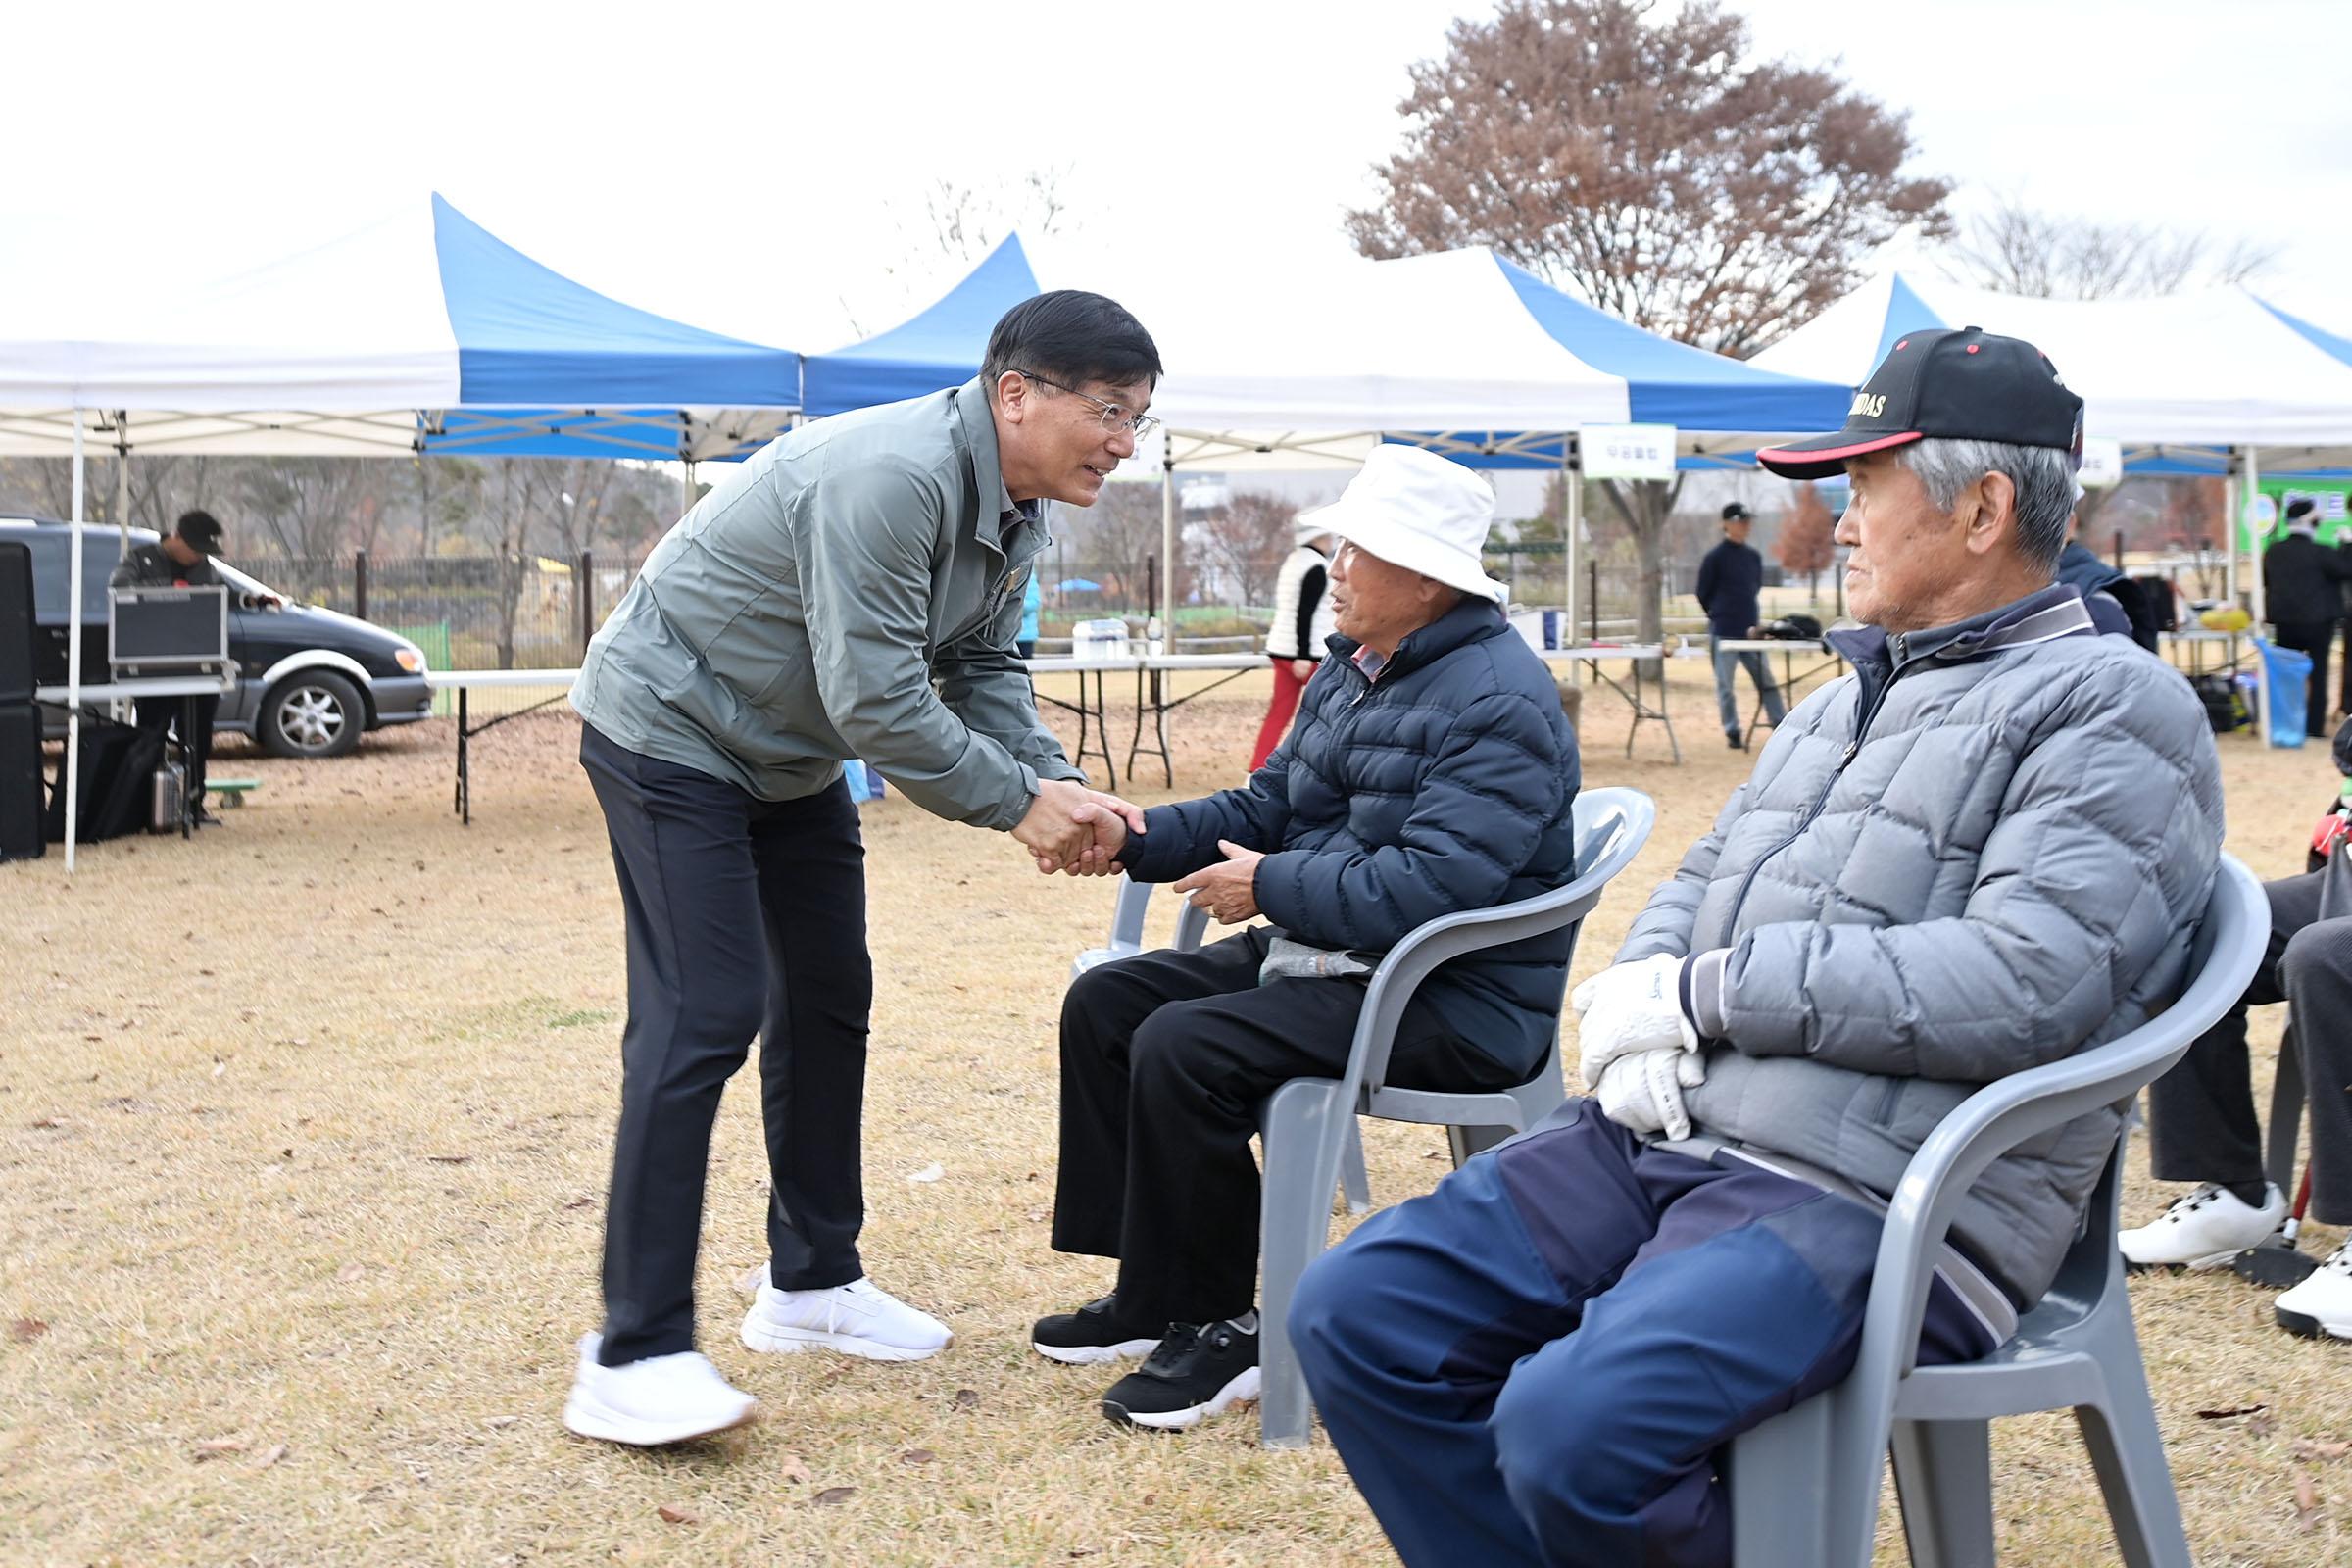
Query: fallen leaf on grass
(792, 1470)
(835, 1494)
(25, 1330)
(2307, 1500)
(353, 1270)
(677, 1513)
(917, 1456)
(965, 1399)
(929, 1173)
(449, 1160)
(214, 1447)
(270, 1456)
(2231, 1412)
(579, 1202)
(46, 1123)
(2311, 1448)
(498, 1421)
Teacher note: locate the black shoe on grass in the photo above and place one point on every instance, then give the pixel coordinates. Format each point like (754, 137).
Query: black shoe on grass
(1092, 1336)
(1199, 1371)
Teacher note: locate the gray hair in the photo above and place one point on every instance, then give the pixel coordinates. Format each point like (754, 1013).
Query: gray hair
(2044, 477)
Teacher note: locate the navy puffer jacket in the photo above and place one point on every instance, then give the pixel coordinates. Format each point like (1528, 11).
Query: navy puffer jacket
(1444, 785)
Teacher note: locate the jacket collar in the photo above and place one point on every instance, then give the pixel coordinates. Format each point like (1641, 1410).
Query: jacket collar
(2041, 617)
(978, 423)
(1473, 620)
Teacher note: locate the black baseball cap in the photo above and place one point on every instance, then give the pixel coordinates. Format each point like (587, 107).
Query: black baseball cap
(1969, 385)
(200, 531)
(1736, 511)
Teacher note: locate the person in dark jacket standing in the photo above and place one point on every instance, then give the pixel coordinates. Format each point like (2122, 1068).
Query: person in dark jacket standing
(1294, 642)
(853, 590)
(1729, 579)
(2302, 587)
(1430, 772)
(182, 559)
(1984, 850)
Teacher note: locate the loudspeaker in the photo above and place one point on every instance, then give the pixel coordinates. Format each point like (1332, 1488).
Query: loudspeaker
(16, 621)
(19, 781)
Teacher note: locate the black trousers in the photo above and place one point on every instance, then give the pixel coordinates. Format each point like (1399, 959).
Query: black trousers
(745, 916)
(2311, 637)
(1166, 1058)
(2201, 1122)
(167, 713)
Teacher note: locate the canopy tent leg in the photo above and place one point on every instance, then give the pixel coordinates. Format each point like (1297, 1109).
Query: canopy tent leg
(1165, 611)
(119, 708)
(2254, 585)
(1572, 485)
(73, 780)
(686, 492)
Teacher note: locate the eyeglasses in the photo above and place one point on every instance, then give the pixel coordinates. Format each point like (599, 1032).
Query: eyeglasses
(1116, 419)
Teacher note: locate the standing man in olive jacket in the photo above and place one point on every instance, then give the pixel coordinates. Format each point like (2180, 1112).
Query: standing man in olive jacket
(852, 591)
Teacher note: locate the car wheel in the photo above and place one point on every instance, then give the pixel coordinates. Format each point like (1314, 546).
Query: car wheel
(314, 713)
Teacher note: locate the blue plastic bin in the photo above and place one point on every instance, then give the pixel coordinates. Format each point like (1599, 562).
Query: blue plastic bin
(2290, 675)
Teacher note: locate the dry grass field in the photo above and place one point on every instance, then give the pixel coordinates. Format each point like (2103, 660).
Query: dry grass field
(304, 1129)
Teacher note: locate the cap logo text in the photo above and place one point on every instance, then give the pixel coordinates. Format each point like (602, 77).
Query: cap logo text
(1870, 405)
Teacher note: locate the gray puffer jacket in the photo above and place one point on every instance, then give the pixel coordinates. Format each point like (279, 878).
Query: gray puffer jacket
(1983, 850)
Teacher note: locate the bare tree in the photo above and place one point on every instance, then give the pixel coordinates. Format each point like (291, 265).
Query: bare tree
(1247, 539)
(1639, 159)
(2014, 249)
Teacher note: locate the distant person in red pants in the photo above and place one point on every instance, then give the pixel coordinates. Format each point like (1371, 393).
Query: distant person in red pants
(1295, 643)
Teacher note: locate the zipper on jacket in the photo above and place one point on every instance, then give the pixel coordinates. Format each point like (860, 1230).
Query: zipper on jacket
(1853, 748)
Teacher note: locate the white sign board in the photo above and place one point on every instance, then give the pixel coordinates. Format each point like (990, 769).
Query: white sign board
(2102, 464)
(1627, 451)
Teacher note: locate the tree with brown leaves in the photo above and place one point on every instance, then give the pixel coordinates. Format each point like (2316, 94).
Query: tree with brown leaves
(1646, 163)
(1807, 543)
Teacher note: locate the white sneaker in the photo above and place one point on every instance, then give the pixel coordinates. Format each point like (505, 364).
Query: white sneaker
(2204, 1230)
(2322, 1302)
(857, 1318)
(663, 1398)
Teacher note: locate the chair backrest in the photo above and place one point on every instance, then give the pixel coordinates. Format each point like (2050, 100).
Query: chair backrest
(2224, 953)
(1610, 827)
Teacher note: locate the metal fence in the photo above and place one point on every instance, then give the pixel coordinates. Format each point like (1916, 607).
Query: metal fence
(465, 612)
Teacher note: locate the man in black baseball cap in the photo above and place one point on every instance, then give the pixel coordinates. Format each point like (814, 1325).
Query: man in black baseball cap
(1729, 579)
(2303, 598)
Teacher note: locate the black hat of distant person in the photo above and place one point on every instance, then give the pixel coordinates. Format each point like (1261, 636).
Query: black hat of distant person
(1738, 512)
(1967, 385)
(200, 531)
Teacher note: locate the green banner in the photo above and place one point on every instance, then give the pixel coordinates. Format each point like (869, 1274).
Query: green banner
(2266, 511)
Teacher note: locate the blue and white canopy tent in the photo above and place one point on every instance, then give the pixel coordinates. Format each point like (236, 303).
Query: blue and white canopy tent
(419, 333)
(1462, 352)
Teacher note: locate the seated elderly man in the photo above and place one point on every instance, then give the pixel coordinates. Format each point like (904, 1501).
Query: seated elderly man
(1982, 850)
(1430, 771)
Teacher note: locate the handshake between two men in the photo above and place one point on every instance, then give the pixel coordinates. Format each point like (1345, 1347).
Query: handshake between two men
(1079, 831)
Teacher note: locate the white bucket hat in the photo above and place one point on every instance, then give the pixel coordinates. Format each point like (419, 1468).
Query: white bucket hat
(1418, 510)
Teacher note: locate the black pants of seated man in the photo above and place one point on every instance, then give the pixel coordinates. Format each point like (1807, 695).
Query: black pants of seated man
(1165, 1058)
(2201, 1119)
(745, 918)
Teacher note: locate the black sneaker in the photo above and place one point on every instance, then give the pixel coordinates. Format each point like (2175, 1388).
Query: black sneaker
(1197, 1372)
(1092, 1336)
(1738, 743)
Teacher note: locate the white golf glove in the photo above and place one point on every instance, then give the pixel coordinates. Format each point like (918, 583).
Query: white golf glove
(1642, 1091)
(1628, 1007)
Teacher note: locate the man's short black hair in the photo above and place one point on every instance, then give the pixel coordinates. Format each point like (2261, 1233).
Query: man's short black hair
(1736, 511)
(1072, 337)
(200, 530)
(2300, 507)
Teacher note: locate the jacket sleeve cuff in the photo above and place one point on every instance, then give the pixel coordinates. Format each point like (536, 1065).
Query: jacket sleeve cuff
(1701, 990)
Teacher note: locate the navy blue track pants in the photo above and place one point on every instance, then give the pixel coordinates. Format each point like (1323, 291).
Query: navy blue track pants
(1540, 1361)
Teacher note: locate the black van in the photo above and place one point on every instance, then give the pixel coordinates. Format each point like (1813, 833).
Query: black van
(309, 680)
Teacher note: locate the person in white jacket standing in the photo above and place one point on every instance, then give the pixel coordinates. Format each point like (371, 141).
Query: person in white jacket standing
(1294, 642)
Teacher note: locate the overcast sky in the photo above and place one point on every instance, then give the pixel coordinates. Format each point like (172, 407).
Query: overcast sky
(761, 170)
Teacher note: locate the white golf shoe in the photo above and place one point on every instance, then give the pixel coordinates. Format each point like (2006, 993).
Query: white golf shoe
(663, 1398)
(2323, 1303)
(857, 1319)
(2204, 1230)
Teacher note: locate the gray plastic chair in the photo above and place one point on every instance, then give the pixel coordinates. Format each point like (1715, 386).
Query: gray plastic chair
(1192, 922)
(1308, 1124)
(1805, 1484)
